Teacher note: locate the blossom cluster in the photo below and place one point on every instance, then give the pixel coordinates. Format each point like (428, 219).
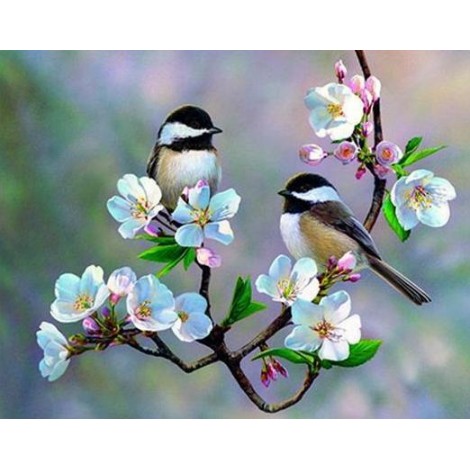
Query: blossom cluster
(199, 214)
(325, 327)
(150, 306)
(342, 112)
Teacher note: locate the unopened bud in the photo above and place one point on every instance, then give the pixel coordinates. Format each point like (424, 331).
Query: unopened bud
(357, 84)
(374, 87)
(106, 312)
(367, 129)
(354, 277)
(361, 171)
(346, 152)
(90, 326)
(347, 262)
(340, 71)
(311, 154)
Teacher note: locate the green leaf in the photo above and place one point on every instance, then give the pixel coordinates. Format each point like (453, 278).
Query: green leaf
(163, 253)
(189, 258)
(390, 216)
(413, 145)
(162, 240)
(420, 155)
(359, 354)
(172, 264)
(296, 357)
(242, 306)
(398, 169)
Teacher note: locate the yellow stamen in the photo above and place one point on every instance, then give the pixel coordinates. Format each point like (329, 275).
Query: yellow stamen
(183, 316)
(83, 302)
(335, 110)
(143, 310)
(419, 198)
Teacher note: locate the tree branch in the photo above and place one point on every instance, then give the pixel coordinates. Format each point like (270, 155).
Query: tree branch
(379, 184)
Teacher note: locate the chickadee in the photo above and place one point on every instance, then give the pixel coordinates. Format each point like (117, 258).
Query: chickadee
(184, 154)
(317, 224)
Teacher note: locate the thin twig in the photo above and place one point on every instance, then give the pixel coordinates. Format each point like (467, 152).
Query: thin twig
(379, 184)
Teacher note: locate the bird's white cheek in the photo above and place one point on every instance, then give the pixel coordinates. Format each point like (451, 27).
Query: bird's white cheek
(292, 236)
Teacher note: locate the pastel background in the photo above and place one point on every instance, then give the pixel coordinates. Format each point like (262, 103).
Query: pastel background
(72, 123)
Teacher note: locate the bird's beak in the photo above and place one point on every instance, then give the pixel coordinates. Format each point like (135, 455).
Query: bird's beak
(284, 193)
(215, 130)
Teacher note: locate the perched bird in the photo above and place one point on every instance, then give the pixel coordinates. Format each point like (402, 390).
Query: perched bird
(316, 223)
(184, 154)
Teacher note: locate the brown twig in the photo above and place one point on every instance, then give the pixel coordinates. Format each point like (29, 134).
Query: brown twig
(379, 184)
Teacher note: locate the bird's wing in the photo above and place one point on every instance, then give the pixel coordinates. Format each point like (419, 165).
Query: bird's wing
(153, 161)
(340, 217)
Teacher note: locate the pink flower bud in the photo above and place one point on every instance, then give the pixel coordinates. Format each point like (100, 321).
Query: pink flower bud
(367, 100)
(381, 171)
(106, 312)
(272, 372)
(388, 153)
(280, 368)
(357, 83)
(91, 327)
(265, 380)
(347, 262)
(340, 71)
(114, 298)
(346, 152)
(120, 283)
(367, 129)
(361, 171)
(374, 86)
(311, 154)
(153, 230)
(207, 257)
(331, 264)
(354, 277)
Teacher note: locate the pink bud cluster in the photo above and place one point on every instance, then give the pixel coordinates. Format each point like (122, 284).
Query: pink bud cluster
(343, 268)
(271, 370)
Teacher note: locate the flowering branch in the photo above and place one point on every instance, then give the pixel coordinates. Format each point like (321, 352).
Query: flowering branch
(324, 333)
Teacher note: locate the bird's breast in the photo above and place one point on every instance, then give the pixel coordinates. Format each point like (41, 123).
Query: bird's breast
(176, 170)
(293, 238)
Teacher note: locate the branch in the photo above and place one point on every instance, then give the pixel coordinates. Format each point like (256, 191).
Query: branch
(379, 184)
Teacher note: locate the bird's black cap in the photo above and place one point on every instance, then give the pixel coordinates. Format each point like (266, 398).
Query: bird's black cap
(193, 117)
(303, 182)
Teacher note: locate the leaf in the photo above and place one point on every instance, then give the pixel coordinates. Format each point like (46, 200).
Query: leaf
(172, 264)
(296, 357)
(359, 354)
(420, 155)
(189, 258)
(242, 306)
(162, 240)
(390, 216)
(398, 169)
(163, 253)
(413, 145)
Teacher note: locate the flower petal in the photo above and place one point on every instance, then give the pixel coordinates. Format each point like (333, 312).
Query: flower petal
(320, 120)
(130, 227)
(130, 188)
(197, 326)
(183, 212)
(336, 307)
(280, 268)
(119, 208)
(436, 215)
(350, 329)
(153, 193)
(220, 231)
(339, 130)
(406, 216)
(417, 175)
(353, 107)
(310, 291)
(189, 235)
(316, 97)
(266, 285)
(58, 370)
(334, 350)
(191, 303)
(67, 287)
(302, 338)
(224, 205)
(305, 313)
(441, 189)
(400, 192)
(199, 195)
(92, 279)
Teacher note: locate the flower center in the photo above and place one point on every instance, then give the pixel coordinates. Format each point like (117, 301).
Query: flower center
(83, 302)
(201, 217)
(143, 310)
(419, 198)
(387, 154)
(183, 316)
(287, 289)
(140, 209)
(326, 331)
(335, 110)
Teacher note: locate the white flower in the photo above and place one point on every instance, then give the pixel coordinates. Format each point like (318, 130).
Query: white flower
(122, 281)
(192, 323)
(151, 305)
(285, 286)
(205, 216)
(335, 110)
(77, 298)
(139, 204)
(56, 355)
(326, 327)
(422, 197)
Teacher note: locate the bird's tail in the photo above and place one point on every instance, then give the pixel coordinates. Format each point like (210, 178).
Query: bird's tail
(398, 281)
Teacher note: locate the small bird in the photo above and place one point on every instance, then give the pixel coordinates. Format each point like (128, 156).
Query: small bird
(316, 223)
(184, 154)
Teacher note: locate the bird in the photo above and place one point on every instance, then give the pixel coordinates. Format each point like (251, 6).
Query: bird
(183, 154)
(316, 223)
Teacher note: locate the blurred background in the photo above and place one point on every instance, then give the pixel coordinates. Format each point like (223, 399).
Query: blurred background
(72, 123)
